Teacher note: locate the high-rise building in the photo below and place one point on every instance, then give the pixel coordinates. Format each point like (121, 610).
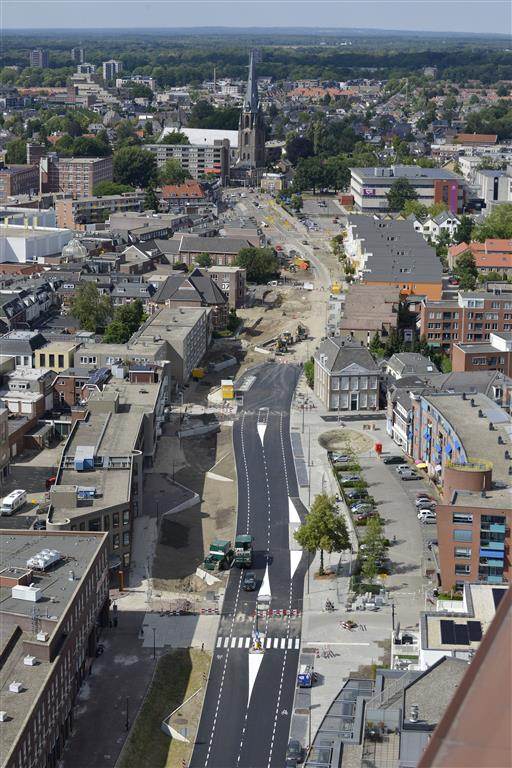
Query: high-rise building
(78, 176)
(78, 55)
(111, 69)
(86, 69)
(38, 57)
(251, 129)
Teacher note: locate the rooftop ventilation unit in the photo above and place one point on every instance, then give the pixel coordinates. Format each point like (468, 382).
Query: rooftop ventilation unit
(30, 661)
(15, 687)
(3, 716)
(42, 637)
(44, 559)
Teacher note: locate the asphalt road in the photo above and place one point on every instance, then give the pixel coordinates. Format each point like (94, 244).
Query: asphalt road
(235, 730)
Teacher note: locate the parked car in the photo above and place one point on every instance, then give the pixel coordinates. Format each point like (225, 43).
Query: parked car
(295, 751)
(357, 493)
(409, 475)
(366, 515)
(360, 508)
(40, 525)
(350, 479)
(422, 496)
(339, 458)
(393, 459)
(427, 515)
(424, 504)
(403, 468)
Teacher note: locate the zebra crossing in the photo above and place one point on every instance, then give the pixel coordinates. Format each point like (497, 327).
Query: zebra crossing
(270, 643)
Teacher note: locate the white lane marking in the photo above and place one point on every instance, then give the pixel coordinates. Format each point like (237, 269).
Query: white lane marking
(268, 642)
(264, 594)
(276, 642)
(219, 642)
(247, 642)
(283, 642)
(290, 642)
(293, 515)
(322, 642)
(297, 643)
(233, 642)
(255, 660)
(226, 642)
(295, 558)
(240, 642)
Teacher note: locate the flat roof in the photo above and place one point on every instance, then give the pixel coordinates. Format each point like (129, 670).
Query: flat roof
(16, 547)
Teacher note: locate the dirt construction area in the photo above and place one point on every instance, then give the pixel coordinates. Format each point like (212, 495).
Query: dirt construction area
(346, 440)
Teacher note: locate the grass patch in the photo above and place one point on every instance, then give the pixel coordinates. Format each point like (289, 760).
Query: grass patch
(178, 675)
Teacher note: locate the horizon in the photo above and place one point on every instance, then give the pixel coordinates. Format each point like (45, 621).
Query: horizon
(481, 17)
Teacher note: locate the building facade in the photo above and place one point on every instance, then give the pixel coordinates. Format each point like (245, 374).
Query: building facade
(346, 376)
(79, 175)
(251, 128)
(76, 214)
(18, 180)
(199, 160)
(232, 282)
(493, 355)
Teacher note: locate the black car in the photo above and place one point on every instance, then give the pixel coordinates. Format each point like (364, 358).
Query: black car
(40, 525)
(249, 582)
(357, 493)
(393, 459)
(294, 751)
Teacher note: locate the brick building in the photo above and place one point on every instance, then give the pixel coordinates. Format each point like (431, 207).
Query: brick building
(78, 176)
(232, 282)
(47, 653)
(492, 355)
(471, 317)
(19, 180)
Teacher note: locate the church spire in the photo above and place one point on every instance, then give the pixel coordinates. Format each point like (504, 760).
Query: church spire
(251, 101)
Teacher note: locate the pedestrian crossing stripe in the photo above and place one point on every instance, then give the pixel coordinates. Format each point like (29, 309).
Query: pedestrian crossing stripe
(277, 643)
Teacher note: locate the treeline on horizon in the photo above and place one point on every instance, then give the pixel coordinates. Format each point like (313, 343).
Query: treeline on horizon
(176, 61)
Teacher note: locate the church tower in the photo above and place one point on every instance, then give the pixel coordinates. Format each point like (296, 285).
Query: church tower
(251, 129)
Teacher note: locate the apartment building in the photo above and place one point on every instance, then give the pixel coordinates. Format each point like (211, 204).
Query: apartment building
(47, 653)
(107, 451)
(387, 252)
(186, 248)
(464, 442)
(493, 355)
(78, 213)
(198, 159)
(471, 317)
(78, 176)
(493, 255)
(370, 187)
(17, 180)
(195, 290)
(346, 376)
(57, 355)
(111, 69)
(39, 58)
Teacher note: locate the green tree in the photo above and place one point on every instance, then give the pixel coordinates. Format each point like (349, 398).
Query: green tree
(86, 146)
(16, 152)
(127, 319)
(296, 202)
(464, 231)
(233, 320)
(309, 174)
(375, 346)
(323, 529)
(175, 137)
(91, 308)
(498, 224)
(126, 134)
(415, 208)
(466, 271)
(337, 172)
(134, 166)
(374, 548)
(309, 372)
(173, 172)
(261, 263)
(110, 188)
(297, 147)
(204, 260)
(400, 191)
(151, 201)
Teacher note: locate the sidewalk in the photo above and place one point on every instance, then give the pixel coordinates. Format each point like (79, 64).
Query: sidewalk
(336, 652)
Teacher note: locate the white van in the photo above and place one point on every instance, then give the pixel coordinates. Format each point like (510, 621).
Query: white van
(14, 501)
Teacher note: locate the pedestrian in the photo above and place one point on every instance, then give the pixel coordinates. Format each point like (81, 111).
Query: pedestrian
(202, 646)
(394, 539)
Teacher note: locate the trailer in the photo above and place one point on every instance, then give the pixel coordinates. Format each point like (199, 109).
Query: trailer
(219, 557)
(243, 550)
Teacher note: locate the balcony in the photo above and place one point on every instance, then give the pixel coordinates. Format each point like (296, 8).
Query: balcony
(492, 564)
(492, 546)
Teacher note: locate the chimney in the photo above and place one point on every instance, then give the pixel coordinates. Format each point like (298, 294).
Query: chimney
(415, 713)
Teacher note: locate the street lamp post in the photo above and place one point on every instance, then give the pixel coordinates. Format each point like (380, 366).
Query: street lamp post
(393, 615)
(127, 719)
(154, 642)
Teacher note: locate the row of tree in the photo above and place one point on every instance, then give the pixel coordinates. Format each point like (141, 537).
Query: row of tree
(96, 313)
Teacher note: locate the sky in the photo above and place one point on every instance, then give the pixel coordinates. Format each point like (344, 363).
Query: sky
(484, 16)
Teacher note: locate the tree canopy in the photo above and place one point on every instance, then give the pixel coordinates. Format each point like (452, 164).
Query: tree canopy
(111, 188)
(175, 137)
(173, 172)
(93, 309)
(399, 193)
(134, 166)
(261, 263)
(127, 319)
(466, 271)
(498, 224)
(323, 529)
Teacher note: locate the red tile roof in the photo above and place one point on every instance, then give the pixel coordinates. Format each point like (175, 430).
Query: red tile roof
(189, 189)
(476, 138)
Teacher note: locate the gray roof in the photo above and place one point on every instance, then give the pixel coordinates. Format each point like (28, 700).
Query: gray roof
(410, 362)
(336, 355)
(197, 244)
(251, 100)
(406, 172)
(193, 287)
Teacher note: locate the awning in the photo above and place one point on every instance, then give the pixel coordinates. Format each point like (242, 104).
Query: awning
(421, 465)
(438, 467)
(438, 447)
(448, 449)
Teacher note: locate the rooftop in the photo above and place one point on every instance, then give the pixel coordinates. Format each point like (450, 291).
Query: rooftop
(407, 172)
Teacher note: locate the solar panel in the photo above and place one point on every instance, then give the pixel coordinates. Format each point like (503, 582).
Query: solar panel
(447, 632)
(496, 415)
(475, 631)
(461, 634)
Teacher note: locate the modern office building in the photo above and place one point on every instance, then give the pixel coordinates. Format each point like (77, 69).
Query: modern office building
(47, 652)
(370, 187)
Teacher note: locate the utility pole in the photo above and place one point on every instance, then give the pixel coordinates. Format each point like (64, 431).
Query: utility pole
(154, 642)
(127, 721)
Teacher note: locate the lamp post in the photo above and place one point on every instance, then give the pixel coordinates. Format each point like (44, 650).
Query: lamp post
(127, 719)
(154, 642)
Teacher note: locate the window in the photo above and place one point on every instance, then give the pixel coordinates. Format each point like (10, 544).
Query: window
(462, 552)
(106, 523)
(115, 541)
(460, 534)
(126, 517)
(94, 525)
(462, 517)
(42, 360)
(61, 361)
(82, 527)
(126, 538)
(462, 570)
(51, 360)
(115, 520)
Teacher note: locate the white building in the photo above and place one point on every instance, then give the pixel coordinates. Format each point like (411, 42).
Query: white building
(28, 216)
(111, 69)
(434, 226)
(22, 245)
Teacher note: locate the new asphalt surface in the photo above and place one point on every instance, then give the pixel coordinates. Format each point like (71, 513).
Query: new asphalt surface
(236, 730)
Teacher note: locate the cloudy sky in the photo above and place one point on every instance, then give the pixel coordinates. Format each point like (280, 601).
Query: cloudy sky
(425, 15)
